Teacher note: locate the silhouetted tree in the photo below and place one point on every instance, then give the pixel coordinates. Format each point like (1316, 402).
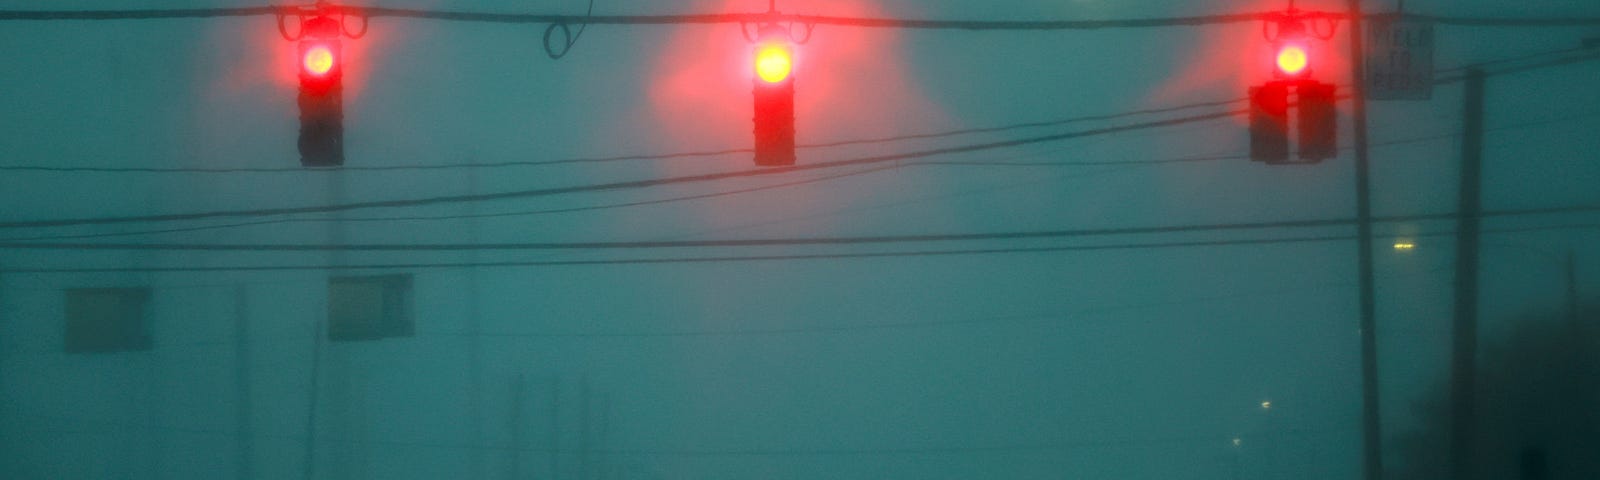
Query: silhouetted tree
(1538, 408)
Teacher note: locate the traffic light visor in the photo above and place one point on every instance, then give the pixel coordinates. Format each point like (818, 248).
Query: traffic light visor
(773, 63)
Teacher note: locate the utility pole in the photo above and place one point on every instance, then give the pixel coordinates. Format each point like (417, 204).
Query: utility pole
(519, 439)
(605, 436)
(1371, 432)
(583, 429)
(477, 468)
(555, 427)
(314, 388)
(1572, 291)
(245, 441)
(1463, 371)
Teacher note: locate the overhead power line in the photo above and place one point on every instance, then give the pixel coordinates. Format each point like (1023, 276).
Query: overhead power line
(625, 185)
(619, 158)
(432, 166)
(783, 242)
(755, 258)
(1443, 77)
(684, 19)
(869, 160)
(735, 18)
(94, 425)
(547, 211)
(1458, 21)
(1498, 71)
(670, 260)
(668, 200)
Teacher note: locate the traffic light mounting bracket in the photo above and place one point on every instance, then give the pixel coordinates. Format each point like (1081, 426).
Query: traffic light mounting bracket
(771, 24)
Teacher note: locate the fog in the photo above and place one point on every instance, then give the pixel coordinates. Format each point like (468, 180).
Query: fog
(532, 268)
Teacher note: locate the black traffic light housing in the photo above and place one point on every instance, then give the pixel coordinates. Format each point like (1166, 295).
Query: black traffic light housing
(1316, 122)
(1269, 123)
(321, 93)
(1319, 122)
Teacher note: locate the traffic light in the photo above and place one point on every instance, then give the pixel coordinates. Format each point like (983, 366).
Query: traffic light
(1318, 122)
(321, 93)
(1269, 123)
(774, 97)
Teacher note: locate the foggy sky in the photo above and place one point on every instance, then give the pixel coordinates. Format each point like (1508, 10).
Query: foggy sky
(1097, 364)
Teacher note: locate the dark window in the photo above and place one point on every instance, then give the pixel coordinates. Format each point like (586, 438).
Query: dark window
(369, 308)
(107, 320)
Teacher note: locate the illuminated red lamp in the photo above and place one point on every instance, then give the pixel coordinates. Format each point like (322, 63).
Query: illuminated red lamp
(1292, 59)
(318, 60)
(1293, 56)
(774, 62)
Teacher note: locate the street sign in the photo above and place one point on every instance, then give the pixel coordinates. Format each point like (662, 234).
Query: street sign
(1399, 60)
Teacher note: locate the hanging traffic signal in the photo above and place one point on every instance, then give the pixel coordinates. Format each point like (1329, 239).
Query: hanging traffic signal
(1269, 123)
(321, 93)
(774, 97)
(1318, 122)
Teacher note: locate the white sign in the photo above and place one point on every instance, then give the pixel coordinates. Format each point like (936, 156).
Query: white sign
(1399, 60)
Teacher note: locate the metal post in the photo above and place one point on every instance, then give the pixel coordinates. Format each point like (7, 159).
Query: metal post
(311, 401)
(1371, 428)
(1465, 351)
(519, 439)
(583, 429)
(555, 427)
(605, 436)
(479, 458)
(244, 443)
(1572, 292)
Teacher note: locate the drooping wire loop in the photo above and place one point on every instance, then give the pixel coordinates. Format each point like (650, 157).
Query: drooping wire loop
(1296, 23)
(300, 24)
(568, 38)
(765, 28)
(344, 25)
(317, 20)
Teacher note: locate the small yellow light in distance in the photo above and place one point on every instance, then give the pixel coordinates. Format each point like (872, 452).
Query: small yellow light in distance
(1267, 404)
(1404, 246)
(773, 63)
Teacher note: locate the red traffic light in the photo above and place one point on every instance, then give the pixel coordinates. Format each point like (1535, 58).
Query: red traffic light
(774, 97)
(321, 93)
